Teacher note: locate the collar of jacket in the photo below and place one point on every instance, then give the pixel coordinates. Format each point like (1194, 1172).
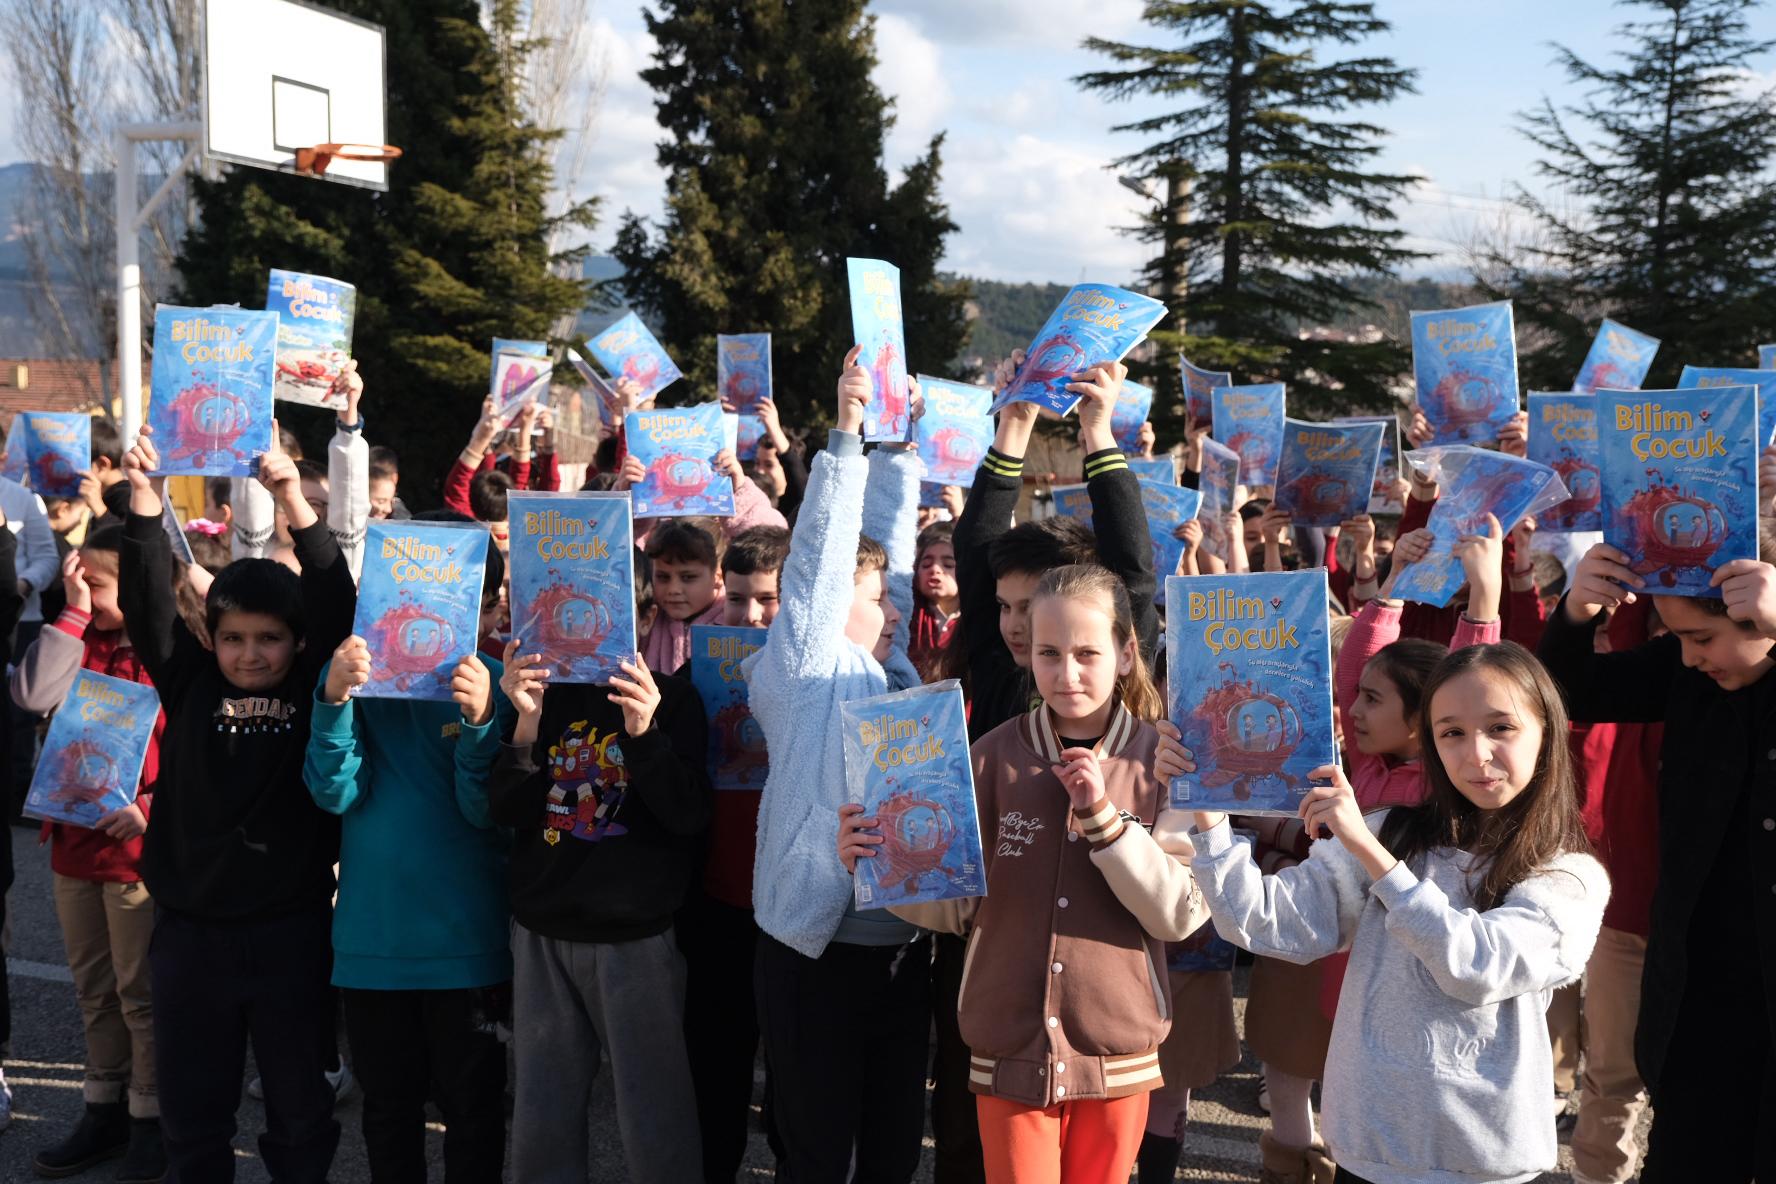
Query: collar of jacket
(1039, 733)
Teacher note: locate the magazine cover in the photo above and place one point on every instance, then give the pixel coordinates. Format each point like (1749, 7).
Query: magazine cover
(419, 605)
(1563, 436)
(1327, 471)
(175, 532)
(743, 378)
(57, 450)
(736, 743)
(92, 756)
(518, 379)
(1679, 482)
(906, 761)
(1199, 385)
(1464, 363)
(1219, 483)
(1764, 381)
(314, 335)
(1767, 357)
(875, 322)
(628, 350)
(1162, 469)
(955, 432)
(211, 388)
(1168, 507)
(677, 446)
(1072, 501)
(603, 394)
(1130, 412)
(1475, 482)
(573, 582)
(1249, 420)
(1619, 360)
(1387, 469)
(1249, 684)
(15, 467)
(930, 495)
(1094, 323)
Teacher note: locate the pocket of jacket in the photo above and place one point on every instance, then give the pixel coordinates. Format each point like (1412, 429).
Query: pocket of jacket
(967, 966)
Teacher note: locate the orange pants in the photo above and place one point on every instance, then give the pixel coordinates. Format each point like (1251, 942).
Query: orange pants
(1088, 1142)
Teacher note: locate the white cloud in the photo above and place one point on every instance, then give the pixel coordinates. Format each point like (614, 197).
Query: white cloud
(1050, 23)
(619, 162)
(910, 70)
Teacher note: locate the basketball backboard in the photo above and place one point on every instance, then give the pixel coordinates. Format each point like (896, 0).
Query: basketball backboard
(282, 76)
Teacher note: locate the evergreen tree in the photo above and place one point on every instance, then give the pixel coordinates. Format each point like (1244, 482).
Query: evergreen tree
(1663, 215)
(1272, 210)
(773, 148)
(454, 254)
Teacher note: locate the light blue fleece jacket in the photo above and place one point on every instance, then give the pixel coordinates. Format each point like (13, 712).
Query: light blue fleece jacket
(806, 668)
(1439, 1064)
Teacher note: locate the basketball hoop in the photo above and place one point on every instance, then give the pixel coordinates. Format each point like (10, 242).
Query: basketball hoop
(314, 161)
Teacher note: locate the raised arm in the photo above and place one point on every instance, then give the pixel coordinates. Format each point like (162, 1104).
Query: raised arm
(1119, 517)
(333, 767)
(348, 473)
(1629, 686)
(145, 575)
(253, 518)
(891, 517)
(1300, 914)
(329, 595)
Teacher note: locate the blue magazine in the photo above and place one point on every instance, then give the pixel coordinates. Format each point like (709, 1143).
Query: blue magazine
(1695, 377)
(1131, 411)
(743, 376)
(1619, 360)
(1154, 468)
(737, 757)
(1563, 436)
(677, 446)
(1249, 420)
(906, 761)
(1679, 482)
(955, 432)
(57, 450)
(930, 495)
(1464, 364)
(602, 392)
(419, 605)
(1249, 684)
(314, 335)
(628, 350)
(1095, 323)
(573, 582)
(1382, 499)
(1199, 385)
(1219, 482)
(1073, 501)
(518, 379)
(1486, 483)
(212, 381)
(875, 322)
(1168, 507)
(1327, 470)
(92, 756)
(15, 468)
(1767, 357)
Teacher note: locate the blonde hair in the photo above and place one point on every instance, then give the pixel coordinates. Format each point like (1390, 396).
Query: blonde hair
(1100, 586)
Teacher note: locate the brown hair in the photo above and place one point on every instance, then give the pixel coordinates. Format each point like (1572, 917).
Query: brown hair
(1521, 838)
(679, 540)
(1089, 581)
(1409, 664)
(871, 556)
(1715, 606)
(757, 550)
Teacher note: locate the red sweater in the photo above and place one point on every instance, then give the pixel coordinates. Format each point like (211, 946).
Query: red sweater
(543, 475)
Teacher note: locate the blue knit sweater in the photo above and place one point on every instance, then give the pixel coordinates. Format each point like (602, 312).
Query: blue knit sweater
(806, 668)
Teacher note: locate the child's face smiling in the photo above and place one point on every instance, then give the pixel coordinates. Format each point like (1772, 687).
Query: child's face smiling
(255, 651)
(751, 598)
(1488, 741)
(872, 618)
(1733, 657)
(684, 590)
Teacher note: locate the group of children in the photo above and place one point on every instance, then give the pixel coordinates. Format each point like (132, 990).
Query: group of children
(545, 864)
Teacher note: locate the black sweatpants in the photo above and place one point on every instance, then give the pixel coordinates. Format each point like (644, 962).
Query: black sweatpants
(955, 1123)
(408, 1046)
(847, 1037)
(1714, 1108)
(216, 985)
(718, 942)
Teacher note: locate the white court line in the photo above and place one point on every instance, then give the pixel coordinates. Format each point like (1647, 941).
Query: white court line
(48, 971)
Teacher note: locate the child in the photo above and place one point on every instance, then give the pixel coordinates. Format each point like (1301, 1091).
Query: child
(606, 792)
(1066, 958)
(1461, 918)
(239, 859)
(488, 494)
(822, 967)
(935, 598)
(105, 911)
(383, 479)
(686, 579)
(1708, 680)
(421, 933)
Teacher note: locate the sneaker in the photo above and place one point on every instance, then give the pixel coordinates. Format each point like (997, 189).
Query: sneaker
(145, 1162)
(339, 1080)
(102, 1133)
(1263, 1092)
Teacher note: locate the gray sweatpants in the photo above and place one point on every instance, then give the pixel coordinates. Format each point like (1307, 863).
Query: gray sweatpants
(572, 999)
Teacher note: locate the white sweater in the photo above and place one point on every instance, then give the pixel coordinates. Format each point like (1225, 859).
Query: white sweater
(1439, 1066)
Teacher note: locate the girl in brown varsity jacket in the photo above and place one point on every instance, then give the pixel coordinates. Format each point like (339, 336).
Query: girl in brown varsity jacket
(1064, 998)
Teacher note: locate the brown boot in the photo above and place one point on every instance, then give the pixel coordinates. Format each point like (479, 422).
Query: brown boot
(1320, 1168)
(1281, 1164)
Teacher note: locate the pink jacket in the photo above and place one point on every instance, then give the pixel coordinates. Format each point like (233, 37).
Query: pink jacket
(668, 644)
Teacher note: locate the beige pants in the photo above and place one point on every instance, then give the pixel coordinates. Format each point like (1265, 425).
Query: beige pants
(1611, 1096)
(1564, 1034)
(106, 929)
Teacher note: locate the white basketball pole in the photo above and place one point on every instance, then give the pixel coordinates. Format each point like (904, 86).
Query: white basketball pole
(130, 218)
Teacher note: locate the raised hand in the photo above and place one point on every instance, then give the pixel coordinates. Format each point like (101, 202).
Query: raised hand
(471, 686)
(953, 501)
(855, 388)
(1483, 559)
(1419, 431)
(350, 387)
(1603, 579)
(277, 472)
(631, 473)
(1171, 759)
(349, 669)
(74, 586)
(1748, 588)
(1007, 370)
(1098, 389)
(637, 695)
(729, 466)
(524, 681)
(139, 463)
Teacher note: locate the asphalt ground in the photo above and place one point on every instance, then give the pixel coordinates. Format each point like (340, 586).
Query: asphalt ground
(44, 1072)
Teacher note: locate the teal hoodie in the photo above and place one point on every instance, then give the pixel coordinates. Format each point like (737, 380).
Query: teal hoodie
(422, 869)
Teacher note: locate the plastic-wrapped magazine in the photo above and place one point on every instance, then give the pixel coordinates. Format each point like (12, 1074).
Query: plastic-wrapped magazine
(57, 450)
(1199, 386)
(1131, 411)
(573, 583)
(92, 755)
(1327, 471)
(1383, 498)
(737, 757)
(1619, 360)
(1249, 420)
(876, 323)
(419, 605)
(1168, 507)
(627, 350)
(1219, 483)
(954, 433)
(604, 395)
(314, 335)
(1474, 482)
(906, 761)
(1249, 685)
(519, 379)
(1073, 501)
(1154, 468)
(1563, 436)
(1698, 377)
(1095, 323)
(1464, 363)
(210, 402)
(677, 446)
(743, 376)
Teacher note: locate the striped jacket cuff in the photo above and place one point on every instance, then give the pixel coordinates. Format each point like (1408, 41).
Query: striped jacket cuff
(1107, 461)
(1000, 465)
(1099, 822)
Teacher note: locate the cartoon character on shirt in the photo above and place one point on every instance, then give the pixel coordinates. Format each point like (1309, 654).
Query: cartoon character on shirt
(588, 782)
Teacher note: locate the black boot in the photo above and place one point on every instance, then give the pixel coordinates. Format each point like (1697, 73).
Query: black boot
(1157, 1161)
(102, 1133)
(145, 1162)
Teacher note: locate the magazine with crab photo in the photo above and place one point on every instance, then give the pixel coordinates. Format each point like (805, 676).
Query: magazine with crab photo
(1095, 323)
(677, 447)
(57, 450)
(1327, 471)
(1383, 498)
(1131, 411)
(876, 323)
(1464, 366)
(737, 757)
(954, 433)
(1249, 420)
(1199, 387)
(1474, 482)
(906, 763)
(91, 763)
(1219, 482)
(419, 605)
(743, 378)
(210, 389)
(1679, 471)
(1563, 436)
(314, 335)
(627, 350)
(1249, 685)
(573, 582)
(1763, 381)
(1619, 360)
